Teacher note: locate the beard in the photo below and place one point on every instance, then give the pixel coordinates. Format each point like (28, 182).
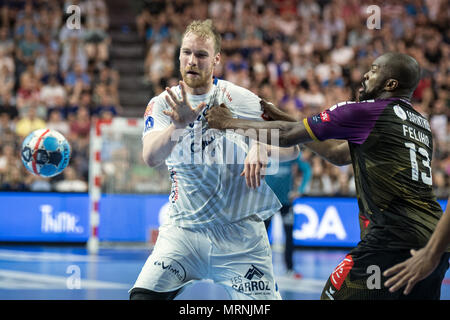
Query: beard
(365, 94)
(201, 79)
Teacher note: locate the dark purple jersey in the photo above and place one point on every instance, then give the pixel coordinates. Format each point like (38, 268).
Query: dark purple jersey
(391, 148)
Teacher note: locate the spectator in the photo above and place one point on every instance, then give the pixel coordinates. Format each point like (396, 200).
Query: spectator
(73, 50)
(27, 50)
(56, 122)
(52, 71)
(6, 42)
(96, 38)
(28, 93)
(38, 184)
(71, 182)
(29, 123)
(78, 74)
(8, 159)
(106, 105)
(313, 98)
(81, 125)
(7, 81)
(13, 180)
(52, 93)
(7, 108)
(6, 61)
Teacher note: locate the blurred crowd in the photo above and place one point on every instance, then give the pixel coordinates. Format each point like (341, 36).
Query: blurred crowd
(307, 55)
(54, 72)
(304, 56)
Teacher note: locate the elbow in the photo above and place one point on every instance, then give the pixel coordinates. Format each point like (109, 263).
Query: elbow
(150, 161)
(285, 140)
(339, 161)
(295, 152)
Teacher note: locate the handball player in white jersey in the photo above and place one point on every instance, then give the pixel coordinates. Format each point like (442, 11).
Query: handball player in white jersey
(215, 227)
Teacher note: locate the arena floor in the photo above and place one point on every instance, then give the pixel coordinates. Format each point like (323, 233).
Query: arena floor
(47, 273)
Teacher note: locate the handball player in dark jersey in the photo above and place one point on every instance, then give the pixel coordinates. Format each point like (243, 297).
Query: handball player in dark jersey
(390, 146)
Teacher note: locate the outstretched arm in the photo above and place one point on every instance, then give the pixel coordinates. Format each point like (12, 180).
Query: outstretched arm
(290, 132)
(424, 261)
(335, 151)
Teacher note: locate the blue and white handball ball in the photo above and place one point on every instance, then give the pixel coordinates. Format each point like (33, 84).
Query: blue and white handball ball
(45, 153)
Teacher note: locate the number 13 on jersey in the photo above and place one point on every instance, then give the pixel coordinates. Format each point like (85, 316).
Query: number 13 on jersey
(427, 179)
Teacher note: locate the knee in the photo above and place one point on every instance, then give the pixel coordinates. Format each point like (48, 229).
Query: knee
(145, 294)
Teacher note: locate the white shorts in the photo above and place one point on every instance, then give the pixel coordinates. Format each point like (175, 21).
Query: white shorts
(237, 256)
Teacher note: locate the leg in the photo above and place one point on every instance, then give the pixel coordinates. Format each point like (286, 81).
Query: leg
(145, 294)
(360, 277)
(174, 262)
(241, 261)
(288, 223)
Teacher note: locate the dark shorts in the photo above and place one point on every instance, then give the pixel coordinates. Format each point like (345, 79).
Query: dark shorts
(360, 277)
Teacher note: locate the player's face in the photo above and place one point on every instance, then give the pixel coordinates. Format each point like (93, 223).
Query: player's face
(373, 82)
(197, 60)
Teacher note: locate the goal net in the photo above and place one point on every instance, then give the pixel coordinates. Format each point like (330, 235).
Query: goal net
(122, 188)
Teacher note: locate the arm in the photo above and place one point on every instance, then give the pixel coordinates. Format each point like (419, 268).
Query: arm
(283, 154)
(334, 151)
(424, 261)
(282, 133)
(158, 145)
(257, 159)
(279, 133)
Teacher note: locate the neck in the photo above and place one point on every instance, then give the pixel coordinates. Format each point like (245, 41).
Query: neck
(387, 95)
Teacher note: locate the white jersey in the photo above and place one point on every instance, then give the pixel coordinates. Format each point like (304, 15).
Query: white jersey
(205, 164)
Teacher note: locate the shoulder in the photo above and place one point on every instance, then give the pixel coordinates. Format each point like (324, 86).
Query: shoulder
(234, 88)
(362, 107)
(235, 94)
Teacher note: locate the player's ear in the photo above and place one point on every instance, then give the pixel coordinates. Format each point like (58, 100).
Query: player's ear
(217, 59)
(391, 85)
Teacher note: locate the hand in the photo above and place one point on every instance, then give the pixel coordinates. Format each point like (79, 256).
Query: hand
(411, 271)
(182, 113)
(218, 117)
(255, 165)
(268, 109)
(271, 112)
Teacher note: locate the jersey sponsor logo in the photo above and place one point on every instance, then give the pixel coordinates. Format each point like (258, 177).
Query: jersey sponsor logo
(400, 112)
(252, 272)
(324, 116)
(330, 293)
(252, 282)
(340, 273)
(418, 120)
(316, 119)
(149, 109)
(149, 123)
(172, 267)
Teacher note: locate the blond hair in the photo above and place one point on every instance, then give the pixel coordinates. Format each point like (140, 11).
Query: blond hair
(205, 29)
